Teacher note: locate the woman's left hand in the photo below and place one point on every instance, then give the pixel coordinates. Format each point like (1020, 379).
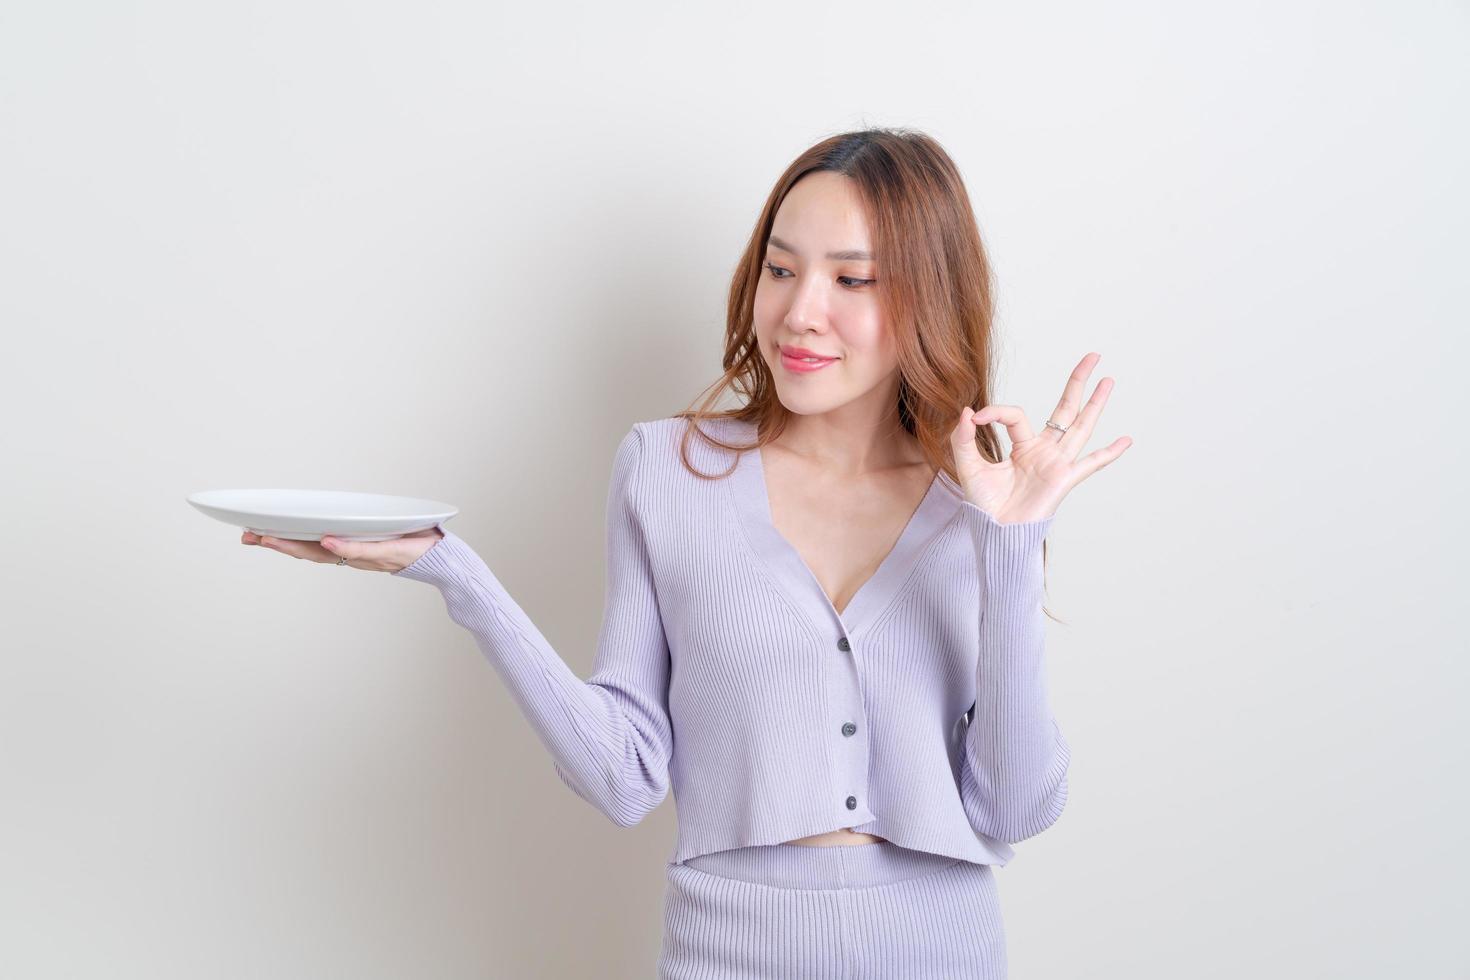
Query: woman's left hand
(1042, 467)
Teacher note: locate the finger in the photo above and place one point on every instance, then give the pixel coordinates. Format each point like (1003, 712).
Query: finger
(1010, 416)
(1075, 439)
(339, 548)
(309, 550)
(1098, 458)
(1066, 410)
(962, 441)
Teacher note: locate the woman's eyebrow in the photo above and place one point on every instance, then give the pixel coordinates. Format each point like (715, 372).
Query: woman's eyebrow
(845, 255)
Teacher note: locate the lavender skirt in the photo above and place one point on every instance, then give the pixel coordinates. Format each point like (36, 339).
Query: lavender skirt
(844, 912)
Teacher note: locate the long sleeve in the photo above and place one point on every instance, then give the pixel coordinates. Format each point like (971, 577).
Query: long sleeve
(610, 736)
(1013, 783)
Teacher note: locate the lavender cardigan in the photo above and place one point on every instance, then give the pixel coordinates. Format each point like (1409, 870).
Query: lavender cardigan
(723, 671)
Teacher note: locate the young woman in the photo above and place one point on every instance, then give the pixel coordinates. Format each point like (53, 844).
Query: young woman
(823, 627)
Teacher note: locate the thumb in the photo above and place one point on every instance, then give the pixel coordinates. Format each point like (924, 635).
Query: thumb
(962, 442)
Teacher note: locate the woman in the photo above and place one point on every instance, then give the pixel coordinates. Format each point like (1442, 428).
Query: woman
(797, 645)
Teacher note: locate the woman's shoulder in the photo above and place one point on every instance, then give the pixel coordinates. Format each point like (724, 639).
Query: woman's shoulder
(677, 463)
(663, 439)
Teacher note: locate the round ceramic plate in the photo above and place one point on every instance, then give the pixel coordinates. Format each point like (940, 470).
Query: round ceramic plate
(307, 515)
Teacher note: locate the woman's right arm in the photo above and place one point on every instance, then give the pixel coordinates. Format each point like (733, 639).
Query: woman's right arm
(609, 736)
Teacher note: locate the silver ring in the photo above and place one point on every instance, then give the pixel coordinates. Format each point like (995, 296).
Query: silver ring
(1052, 425)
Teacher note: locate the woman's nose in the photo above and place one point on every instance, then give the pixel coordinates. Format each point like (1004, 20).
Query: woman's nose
(808, 308)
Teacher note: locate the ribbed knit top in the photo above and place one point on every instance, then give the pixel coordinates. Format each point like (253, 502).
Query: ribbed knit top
(722, 671)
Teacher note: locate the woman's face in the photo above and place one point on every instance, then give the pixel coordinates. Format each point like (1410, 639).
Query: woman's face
(812, 295)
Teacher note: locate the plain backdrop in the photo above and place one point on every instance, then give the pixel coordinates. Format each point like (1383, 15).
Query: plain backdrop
(455, 250)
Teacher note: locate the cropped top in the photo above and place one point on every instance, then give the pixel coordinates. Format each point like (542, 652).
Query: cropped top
(723, 672)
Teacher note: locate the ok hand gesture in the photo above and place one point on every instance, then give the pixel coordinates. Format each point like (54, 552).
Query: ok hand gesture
(1042, 468)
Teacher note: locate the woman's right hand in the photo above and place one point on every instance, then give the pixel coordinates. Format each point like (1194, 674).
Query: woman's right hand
(392, 555)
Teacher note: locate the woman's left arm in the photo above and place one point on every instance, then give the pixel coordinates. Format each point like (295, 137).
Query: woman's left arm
(1014, 779)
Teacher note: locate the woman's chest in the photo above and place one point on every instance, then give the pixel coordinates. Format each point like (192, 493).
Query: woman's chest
(843, 533)
(744, 636)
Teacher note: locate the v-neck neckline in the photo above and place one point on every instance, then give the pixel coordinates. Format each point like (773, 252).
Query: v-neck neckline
(748, 484)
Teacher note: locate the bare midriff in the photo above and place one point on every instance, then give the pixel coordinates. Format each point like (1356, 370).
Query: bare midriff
(837, 838)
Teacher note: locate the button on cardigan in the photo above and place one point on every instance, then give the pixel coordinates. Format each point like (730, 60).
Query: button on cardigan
(722, 671)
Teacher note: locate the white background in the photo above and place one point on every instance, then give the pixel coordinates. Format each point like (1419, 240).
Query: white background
(455, 250)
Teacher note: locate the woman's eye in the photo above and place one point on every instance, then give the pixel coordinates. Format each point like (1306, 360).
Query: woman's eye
(845, 280)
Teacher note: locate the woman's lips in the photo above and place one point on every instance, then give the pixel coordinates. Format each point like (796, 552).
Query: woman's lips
(800, 366)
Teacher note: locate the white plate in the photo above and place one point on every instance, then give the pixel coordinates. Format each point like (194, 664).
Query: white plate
(307, 515)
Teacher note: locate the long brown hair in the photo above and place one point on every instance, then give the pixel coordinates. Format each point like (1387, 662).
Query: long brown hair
(936, 295)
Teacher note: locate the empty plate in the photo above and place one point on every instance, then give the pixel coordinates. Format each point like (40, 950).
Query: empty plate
(307, 515)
